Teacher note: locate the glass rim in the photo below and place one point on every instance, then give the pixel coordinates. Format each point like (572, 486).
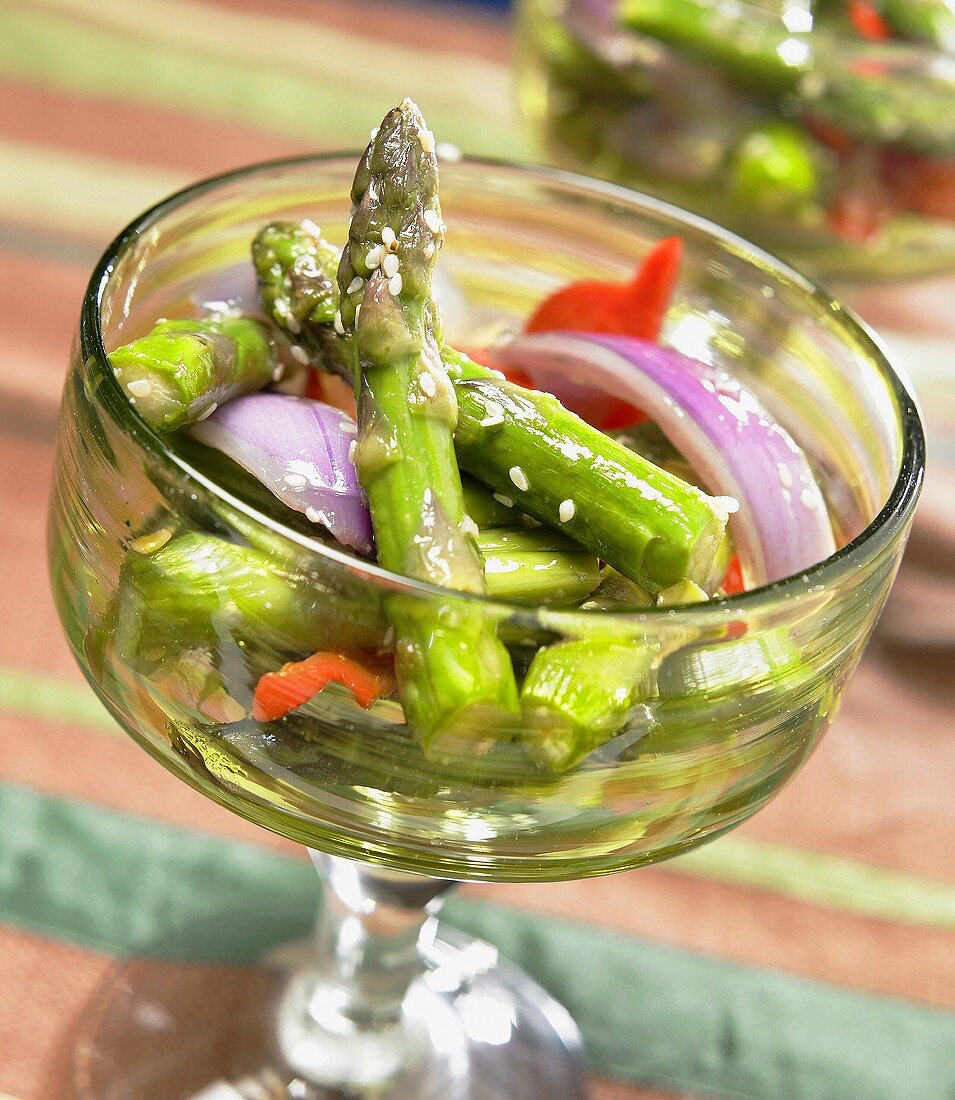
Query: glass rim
(876, 535)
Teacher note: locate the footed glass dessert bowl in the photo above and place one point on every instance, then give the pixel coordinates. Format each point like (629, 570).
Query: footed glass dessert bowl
(740, 688)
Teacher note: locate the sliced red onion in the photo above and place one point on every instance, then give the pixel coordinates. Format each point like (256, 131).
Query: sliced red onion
(229, 290)
(301, 451)
(737, 448)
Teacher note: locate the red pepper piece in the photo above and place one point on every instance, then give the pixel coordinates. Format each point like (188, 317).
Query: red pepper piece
(923, 184)
(732, 582)
(867, 21)
(636, 308)
(279, 693)
(313, 386)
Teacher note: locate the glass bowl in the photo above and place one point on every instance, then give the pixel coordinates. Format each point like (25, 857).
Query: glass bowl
(744, 688)
(781, 121)
(738, 691)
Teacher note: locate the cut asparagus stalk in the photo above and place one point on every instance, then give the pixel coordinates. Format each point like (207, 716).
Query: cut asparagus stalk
(455, 678)
(648, 524)
(578, 694)
(183, 370)
(485, 509)
(195, 591)
(537, 567)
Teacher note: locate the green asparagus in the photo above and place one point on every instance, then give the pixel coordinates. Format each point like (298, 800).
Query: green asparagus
(537, 567)
(183, 370)
(930, 21)
(578, 694)
(296, 272)
(194, 591)
(650, 526)
(457, 684)
(647, 523)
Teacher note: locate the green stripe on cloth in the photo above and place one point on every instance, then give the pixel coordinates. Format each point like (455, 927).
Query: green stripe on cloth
(75, 193)
(648, 1012)
(282, 76)
(837, 882)
(34, 695)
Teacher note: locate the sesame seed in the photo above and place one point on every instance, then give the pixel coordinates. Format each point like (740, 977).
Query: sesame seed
(785, 475)
(492, 421)
(469, 527)
(310, 227)
(432, 220)
(499, 374)
(279, 371)
(208, 412)
(808, 499)
(374, 133)
(448, 151)
(281, 307)
(357, 311)
(355, 285)
(427, 384)
(352, 448)
(517, 475)
(389, 265)
(388, 237)
(394, 285)
(299, 354)
(339, 327)
(567, 510)
(429, 250)
(139, 387)
(426, 137)
(373, 259)
(348, 427)
(502, 499)
(295, 481)
(292, 325)
(149, 544)
(724, 506)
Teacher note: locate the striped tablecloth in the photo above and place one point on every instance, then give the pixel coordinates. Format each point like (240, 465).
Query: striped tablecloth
(809, 955)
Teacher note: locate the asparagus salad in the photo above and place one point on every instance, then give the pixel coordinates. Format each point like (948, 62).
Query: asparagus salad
(825, 127)
(328, 399)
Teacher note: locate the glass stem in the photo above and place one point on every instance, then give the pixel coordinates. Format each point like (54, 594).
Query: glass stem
(342, 1022)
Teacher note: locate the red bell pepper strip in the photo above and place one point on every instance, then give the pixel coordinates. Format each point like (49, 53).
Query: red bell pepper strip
(635, 308)
(867, 21)
(732, 582)
(279, 693)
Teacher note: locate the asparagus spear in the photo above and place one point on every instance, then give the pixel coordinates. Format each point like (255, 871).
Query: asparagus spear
(195, 590)
(456, 681)
(536, 567)
(183, 370)
(648, 524)
(578, 694)
(296, 273)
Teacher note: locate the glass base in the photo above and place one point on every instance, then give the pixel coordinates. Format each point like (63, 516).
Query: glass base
(185, 1030)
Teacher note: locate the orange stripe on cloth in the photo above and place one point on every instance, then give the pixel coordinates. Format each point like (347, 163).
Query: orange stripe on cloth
(428, 25)
(134, 132)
